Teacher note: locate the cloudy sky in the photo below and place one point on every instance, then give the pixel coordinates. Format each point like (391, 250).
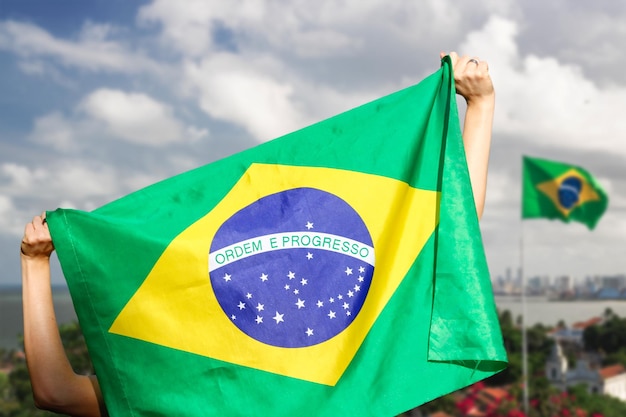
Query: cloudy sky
(100, 98)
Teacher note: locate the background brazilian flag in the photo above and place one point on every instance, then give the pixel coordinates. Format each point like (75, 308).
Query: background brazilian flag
(557, 190)
(335, 271)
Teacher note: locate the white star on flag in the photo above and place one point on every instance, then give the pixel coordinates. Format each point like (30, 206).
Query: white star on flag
(278, 317)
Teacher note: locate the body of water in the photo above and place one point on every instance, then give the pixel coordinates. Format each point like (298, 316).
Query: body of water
(538, 310)
(11, 317)
(541, 310)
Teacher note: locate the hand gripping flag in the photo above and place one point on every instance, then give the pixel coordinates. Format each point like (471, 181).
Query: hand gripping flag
(555, 190)
(337, 270)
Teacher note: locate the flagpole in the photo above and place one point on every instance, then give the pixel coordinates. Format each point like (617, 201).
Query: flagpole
(524, 336)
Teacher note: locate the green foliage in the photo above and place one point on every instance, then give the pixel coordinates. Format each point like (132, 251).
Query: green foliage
(610, 337)
(4, 385)
(538, 343)
(597, 404)
(16, 399)
(614, 358)
(20, 383)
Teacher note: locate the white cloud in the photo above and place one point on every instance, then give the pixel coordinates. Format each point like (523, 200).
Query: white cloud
(9, 223)
(82, 184)
(55, 131)
(71, 178)
(495, 41)
(107, 114)
(189, 29)
(93, 50)
(300, 28)
(233, 90)
(500, 188)
(84, 180)
(545, 101)
(137, 118)
(20, 177)
(291, 66)
(319, 101)
(327, 28)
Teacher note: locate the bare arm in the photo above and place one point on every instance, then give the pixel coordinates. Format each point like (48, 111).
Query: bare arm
(56, 387)
(473, 83)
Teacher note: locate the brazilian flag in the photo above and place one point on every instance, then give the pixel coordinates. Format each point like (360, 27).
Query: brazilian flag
(556, 190)
(335, 271)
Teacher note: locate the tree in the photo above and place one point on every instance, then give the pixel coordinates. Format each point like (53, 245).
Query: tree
(609, 313)
(591, 337)
(597, 405)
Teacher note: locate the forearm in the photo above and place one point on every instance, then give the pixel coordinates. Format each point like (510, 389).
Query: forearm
(55, 385)
(477, 131)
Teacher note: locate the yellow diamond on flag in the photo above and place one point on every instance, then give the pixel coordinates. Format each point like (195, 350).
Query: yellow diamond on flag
(568, 191)
(177, 306)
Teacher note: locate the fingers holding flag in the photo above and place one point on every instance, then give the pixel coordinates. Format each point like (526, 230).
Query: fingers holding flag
(471, 76)
(37, 241)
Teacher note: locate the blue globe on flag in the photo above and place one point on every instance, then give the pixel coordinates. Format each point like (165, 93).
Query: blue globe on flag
(569, 192)
(292, 269)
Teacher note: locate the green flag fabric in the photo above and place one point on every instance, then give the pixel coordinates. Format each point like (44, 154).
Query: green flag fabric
(337, 270)
(557, 190)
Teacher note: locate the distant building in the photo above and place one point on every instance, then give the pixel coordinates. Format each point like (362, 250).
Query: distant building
(610, 380)
(564, 283)
(573, 334)
(608, 293)
(563, 287)
(537, 285)
(612, 287)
